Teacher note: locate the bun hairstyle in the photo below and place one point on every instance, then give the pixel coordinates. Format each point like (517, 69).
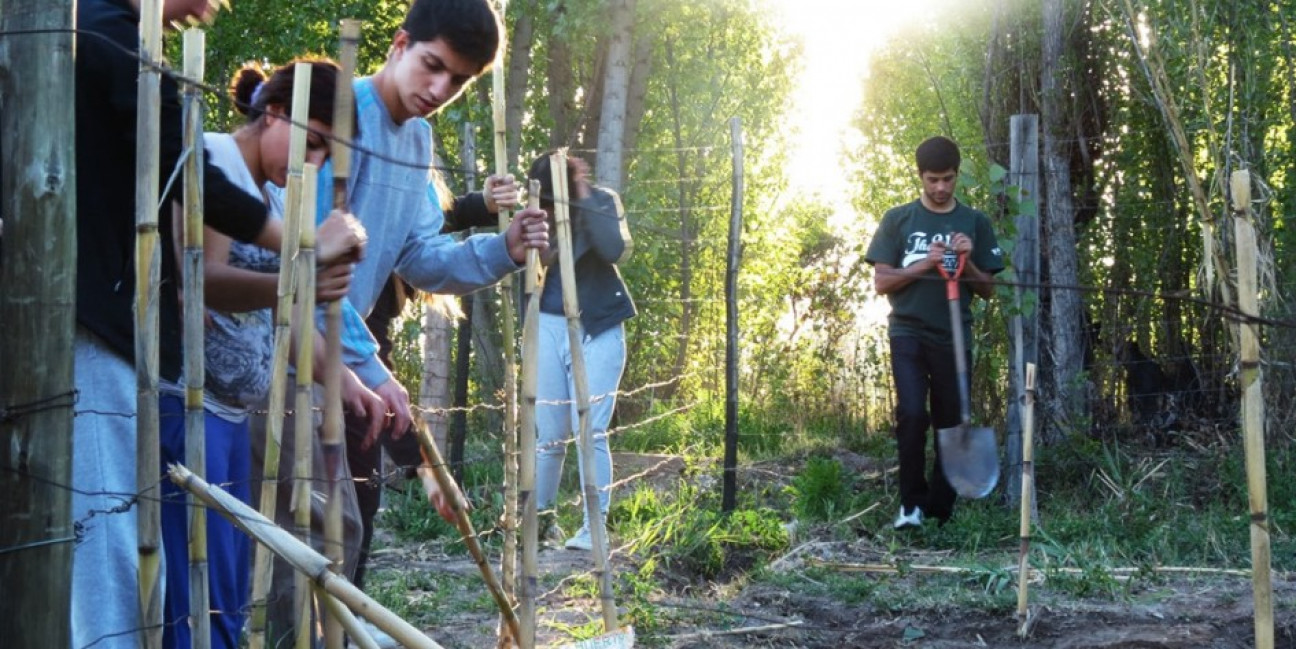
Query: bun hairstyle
(253, 90)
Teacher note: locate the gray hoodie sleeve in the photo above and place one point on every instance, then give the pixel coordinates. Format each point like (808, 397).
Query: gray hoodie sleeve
(603, 227)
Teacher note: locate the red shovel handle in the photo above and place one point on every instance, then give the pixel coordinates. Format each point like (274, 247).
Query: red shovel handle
(951, 286)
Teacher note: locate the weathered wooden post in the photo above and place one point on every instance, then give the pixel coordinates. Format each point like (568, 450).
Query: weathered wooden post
(1023, 174)
(37, 319)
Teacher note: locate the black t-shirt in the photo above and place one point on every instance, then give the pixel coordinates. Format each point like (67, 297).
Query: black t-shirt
(903, 238)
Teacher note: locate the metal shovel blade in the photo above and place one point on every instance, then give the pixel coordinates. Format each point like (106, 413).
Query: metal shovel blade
(970, 459)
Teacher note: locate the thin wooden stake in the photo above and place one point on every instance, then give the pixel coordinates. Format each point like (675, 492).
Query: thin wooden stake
(530, 582)
(1027, 497)
(302, 557)
(508, 316)
(305, 278)
(1252, 381)
(432, 458)
(571, 308)
(195, 354)
(334, 431)
(147, 347)
(263, 566)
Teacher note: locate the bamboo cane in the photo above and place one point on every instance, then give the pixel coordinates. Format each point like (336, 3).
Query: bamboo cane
(195, 367)
(147, 347)
(304, 276)
(304, 421)
(450, 490)
(349, 622)
(571, 308)
(527, 444)
(334, 434)
(263, 566)
(304, 559)
(508, 559)
(1027, 496)
(1252, 382)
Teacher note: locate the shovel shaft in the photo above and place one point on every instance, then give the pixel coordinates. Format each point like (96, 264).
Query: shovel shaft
(960, 361)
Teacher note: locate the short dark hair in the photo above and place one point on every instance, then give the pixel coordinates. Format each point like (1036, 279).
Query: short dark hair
(470, 27)
(542, 170)
(938, 154)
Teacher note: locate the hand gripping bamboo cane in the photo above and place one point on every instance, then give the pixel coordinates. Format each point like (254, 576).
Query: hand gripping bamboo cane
(334, 434)
(263, 566)
(441, 473)
(571, 308)
(527, 442)
(195, 368)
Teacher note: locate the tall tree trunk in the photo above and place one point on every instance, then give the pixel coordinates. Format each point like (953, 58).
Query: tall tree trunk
(593, 109)
(637, 102)
(519, 64)
(561, 93)
(687, 228)
(616, 90)
(1064, 405)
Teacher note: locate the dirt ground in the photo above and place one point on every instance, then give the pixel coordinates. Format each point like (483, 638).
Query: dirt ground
(1173, 611)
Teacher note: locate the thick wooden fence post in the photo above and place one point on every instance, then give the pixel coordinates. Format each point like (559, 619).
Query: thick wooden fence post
(37, 321)
(1253, 409)
(1023, 174)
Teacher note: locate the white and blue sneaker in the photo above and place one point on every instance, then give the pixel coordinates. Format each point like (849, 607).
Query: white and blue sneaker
(913, 519)
(581, 541)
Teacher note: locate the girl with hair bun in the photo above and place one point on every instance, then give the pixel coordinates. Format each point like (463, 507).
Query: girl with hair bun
(241, 288)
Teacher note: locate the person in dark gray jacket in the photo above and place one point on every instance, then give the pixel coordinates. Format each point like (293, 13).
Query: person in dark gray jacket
(600, 241)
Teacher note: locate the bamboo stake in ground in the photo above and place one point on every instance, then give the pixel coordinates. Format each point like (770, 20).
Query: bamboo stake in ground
(530, 581)
(304, 559)
(571, 308)
(1253, 409)
(334, 433)
(508, 315)
(304, 420)
(449, 490)
(1027, 497)
(147, 293)
(194, 310)
(305, 310)
(263, 566)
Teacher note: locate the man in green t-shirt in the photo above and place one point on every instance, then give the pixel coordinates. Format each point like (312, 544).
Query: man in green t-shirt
(911, 242)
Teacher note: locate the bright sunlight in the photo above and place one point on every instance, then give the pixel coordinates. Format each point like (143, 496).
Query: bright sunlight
(838, 36)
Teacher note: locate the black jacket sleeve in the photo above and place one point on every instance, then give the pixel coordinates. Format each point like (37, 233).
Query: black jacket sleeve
(226, 208)
(469, 211)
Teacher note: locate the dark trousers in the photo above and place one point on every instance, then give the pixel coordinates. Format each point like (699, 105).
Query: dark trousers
(925, 377)
(366, 469)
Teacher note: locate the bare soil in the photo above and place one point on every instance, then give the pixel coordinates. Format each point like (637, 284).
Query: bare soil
(1168, 611)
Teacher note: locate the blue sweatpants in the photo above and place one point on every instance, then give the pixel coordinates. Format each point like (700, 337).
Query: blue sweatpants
(229, 558)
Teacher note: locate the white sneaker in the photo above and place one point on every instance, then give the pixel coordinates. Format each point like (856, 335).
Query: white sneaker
(581, 541)
(913, 519)
(376, 634)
